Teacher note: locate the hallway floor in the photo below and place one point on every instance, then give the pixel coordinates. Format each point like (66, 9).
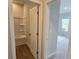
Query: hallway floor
(62, 46)
(23, 52)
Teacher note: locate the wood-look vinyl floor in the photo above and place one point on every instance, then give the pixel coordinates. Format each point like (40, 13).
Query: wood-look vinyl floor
(23, 52)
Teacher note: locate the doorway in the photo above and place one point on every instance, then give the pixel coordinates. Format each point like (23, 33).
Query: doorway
(57, 35)
(26, 25)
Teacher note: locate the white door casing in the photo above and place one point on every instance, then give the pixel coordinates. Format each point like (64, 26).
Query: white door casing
(11, 31)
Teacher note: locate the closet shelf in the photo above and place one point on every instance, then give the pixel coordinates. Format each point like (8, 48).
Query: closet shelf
(22, 24)
(18, 18)
(20, 36)
(36, 1)
(21, 30)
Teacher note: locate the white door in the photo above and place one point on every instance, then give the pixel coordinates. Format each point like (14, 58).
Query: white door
(52, 32)
(33, 30)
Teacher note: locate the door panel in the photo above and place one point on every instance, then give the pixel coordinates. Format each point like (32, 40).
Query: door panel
(33, 30)
(53, 17)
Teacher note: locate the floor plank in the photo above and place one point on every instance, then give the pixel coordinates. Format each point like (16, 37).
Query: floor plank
(23, 52)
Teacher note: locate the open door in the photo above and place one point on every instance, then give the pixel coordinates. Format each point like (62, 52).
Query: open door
(51, 41)
(56, 38)
(33, 30)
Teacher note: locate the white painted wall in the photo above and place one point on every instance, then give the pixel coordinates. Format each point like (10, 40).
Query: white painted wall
(69, 50)
(27, 23)
(51, 41)
(17, 10)
(9, 46)
(21, 10)
(69, 45)
(11, 39)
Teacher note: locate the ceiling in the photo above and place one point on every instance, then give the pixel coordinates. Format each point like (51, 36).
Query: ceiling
(28, 2)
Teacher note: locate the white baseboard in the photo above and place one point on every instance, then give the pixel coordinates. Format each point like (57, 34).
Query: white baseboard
(51, 55)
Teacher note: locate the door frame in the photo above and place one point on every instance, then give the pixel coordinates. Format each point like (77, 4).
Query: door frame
(11, 30)
(45, 29)
(12, 34)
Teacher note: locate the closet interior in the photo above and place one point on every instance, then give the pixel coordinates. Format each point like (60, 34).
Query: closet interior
(25, 16)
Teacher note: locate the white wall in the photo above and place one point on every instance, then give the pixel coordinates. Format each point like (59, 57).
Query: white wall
(69, 44)
(27, 23)
(21, 10)
(69, 50)
(9, 47)
(11, 39)
(53, 28)
(17, 10)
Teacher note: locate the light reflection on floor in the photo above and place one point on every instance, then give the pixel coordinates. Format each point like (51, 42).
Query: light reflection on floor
(62, 46)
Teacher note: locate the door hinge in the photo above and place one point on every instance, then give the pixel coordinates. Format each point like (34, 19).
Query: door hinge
(37, 34)
(37, 12)
(37, 52)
